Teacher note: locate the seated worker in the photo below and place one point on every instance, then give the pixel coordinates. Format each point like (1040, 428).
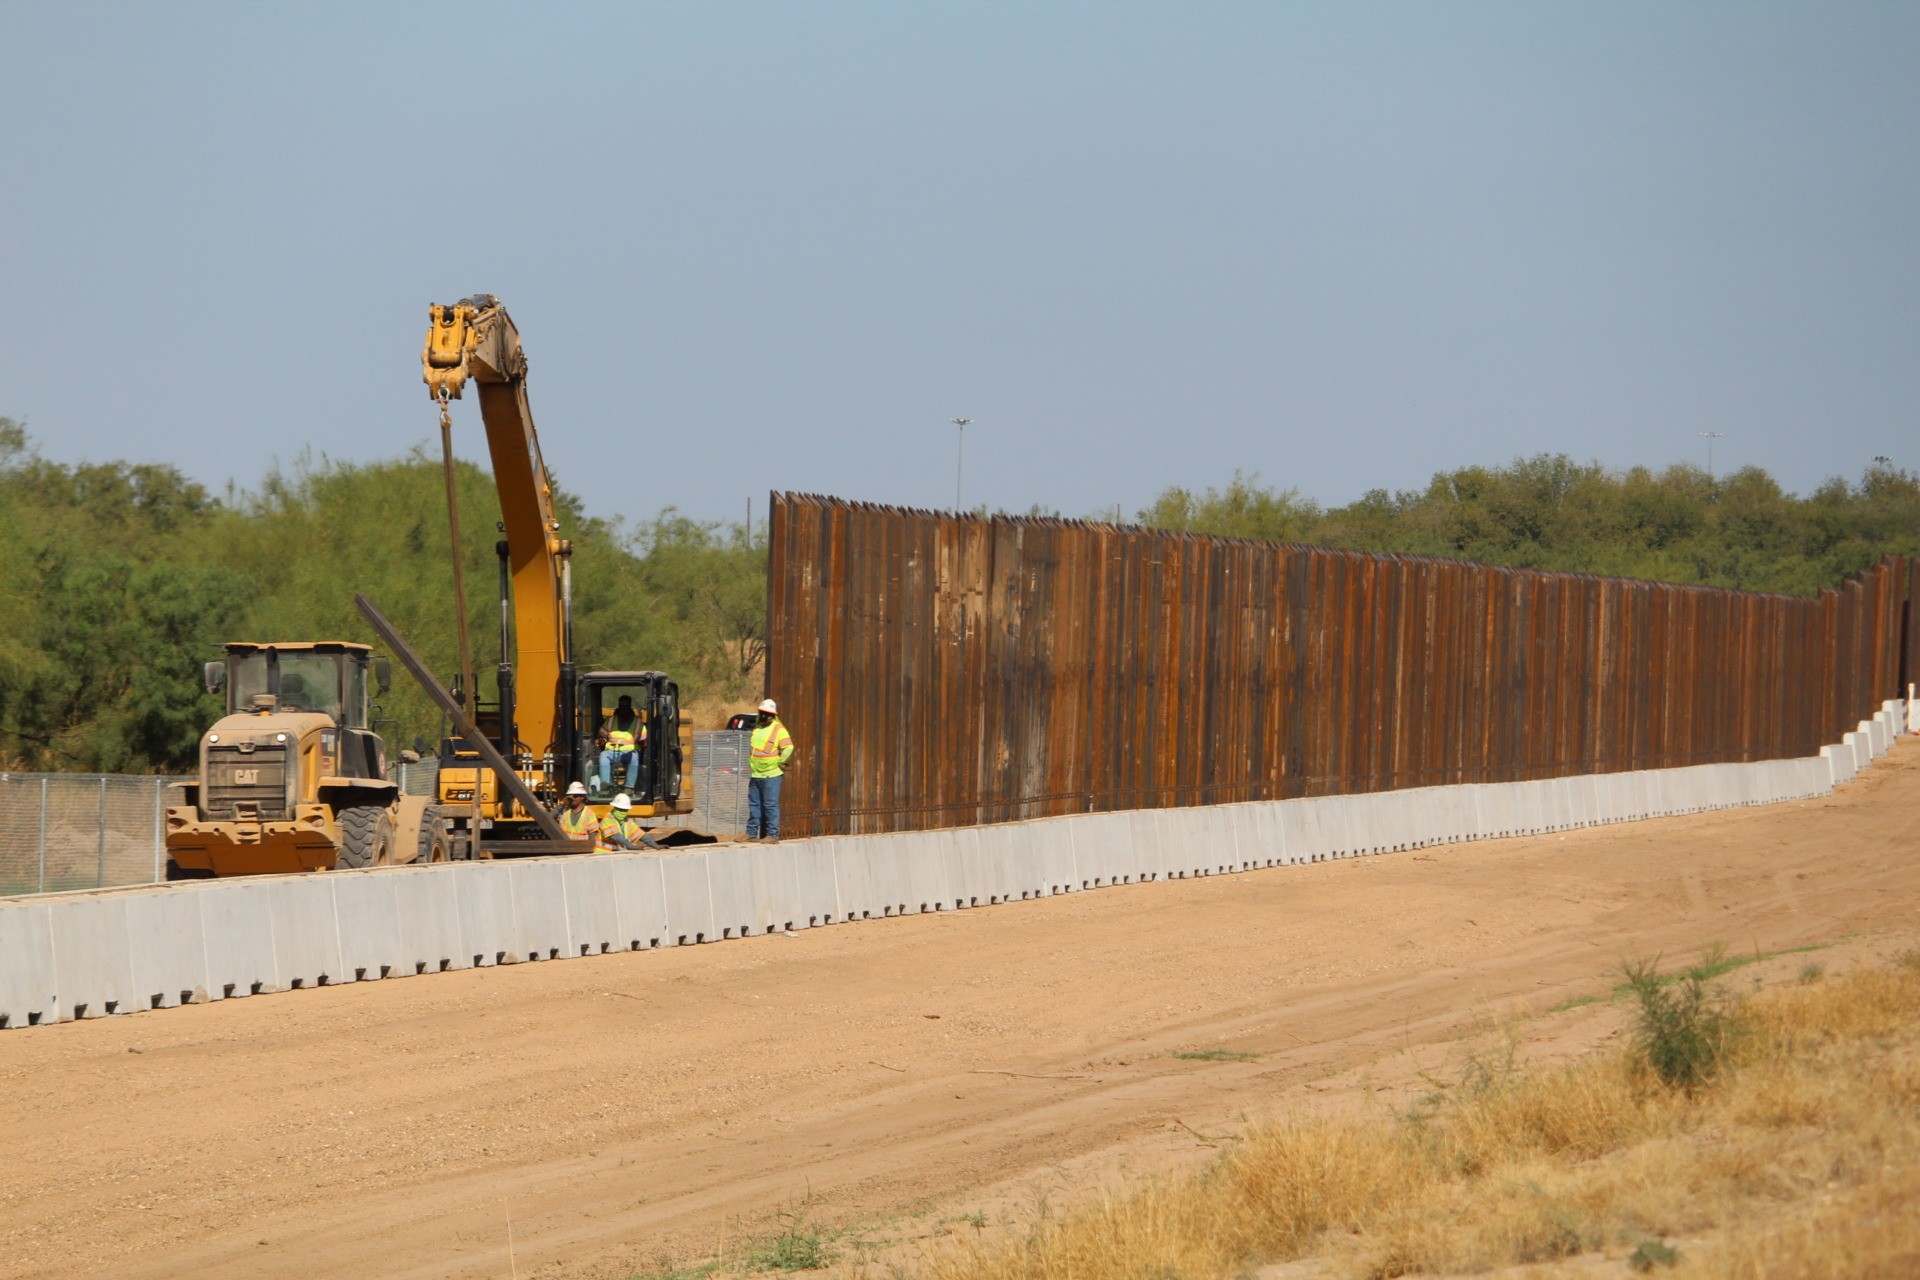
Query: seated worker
(576, 819)
(620, 739)
(619, 831)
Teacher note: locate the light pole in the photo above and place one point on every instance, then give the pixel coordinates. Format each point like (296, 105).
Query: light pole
(1882, 460)
(1711, 436)
(959, 459)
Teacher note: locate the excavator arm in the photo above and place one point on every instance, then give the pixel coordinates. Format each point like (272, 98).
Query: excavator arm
(474, 340)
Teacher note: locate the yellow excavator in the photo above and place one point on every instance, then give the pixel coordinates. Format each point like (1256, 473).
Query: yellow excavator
(551, 722)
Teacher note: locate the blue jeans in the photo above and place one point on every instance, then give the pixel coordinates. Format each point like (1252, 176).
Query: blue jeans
(607, 759)
(763, 808)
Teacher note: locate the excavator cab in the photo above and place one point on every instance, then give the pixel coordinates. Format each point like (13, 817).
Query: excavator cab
(640, 708)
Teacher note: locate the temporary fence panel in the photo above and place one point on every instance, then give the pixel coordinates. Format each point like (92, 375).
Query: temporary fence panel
(61, 831)
(941, 670)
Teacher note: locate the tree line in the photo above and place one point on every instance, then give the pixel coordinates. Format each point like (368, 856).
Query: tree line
(1678, 525)
(120, 579)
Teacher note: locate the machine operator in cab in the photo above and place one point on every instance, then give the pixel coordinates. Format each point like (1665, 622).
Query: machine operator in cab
(620, 740)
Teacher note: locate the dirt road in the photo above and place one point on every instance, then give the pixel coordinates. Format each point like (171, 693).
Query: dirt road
(601, 1111)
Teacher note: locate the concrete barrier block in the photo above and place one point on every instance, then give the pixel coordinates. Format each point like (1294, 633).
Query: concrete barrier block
(242, 960)
(306, 933)
(1493, 810)
(639, 904)
(1103, 848)
(1218, 842)
(92, 963)
(28, 992)
(689, 899)
(816, 895)
(1862, 752)
(999, 858)
(1256, 834)
(1153, 859)
(485, 894)
(860, 898)
(540, 907)
(366, 909)
(427, 900)
(872, 876)
(730, 873)
(1182, 843)
(773, 890)
(924, 858)
(1053, 859)
(167, 948)
(1839, 760)
(593, 912)
(1322, 830)
(1436, 816)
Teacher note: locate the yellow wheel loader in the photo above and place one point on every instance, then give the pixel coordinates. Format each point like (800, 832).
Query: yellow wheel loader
(293, 778)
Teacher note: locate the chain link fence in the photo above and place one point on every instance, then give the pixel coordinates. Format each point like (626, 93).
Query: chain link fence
(61, 831)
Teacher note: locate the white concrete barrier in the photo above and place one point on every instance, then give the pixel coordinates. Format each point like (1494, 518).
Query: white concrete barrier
(593, 913)
(28, 988)
(816, 893)
(88, 955)
(640, 903)
(366, 910)
(688, 899)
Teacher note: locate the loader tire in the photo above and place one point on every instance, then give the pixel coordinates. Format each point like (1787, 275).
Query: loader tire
(434, 844)
(366, 838)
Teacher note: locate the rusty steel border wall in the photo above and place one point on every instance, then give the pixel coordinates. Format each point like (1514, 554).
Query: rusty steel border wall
(940, 670)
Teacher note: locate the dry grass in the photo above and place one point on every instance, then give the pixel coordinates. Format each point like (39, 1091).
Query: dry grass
(1798, 1155)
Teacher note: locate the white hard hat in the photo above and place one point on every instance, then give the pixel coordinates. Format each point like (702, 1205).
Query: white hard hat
(577, 789)
(769, 708)
(622, 801)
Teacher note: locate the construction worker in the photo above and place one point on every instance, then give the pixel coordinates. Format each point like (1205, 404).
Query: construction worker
(620, 740)
(619, 830)
(772, 747)
(576, 819)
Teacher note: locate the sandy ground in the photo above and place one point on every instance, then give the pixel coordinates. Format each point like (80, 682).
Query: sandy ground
(601, 1113)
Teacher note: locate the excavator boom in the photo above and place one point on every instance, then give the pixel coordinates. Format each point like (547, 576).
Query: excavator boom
(474, 340)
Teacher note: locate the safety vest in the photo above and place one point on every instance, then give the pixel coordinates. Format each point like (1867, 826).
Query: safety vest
(580, 823)
(770, 748)
(629, 828)
(619, 739)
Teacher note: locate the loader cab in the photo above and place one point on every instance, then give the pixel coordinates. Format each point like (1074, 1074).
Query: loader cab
(645, 704)
(329, 678)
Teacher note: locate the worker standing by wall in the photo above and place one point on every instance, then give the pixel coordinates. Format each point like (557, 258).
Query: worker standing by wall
(772, 747)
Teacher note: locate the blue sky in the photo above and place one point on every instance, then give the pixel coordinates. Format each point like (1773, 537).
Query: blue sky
(758, 246)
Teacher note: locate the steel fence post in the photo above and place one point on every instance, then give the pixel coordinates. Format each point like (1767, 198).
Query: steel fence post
(159, 794)
(43, 835)
(100, 879)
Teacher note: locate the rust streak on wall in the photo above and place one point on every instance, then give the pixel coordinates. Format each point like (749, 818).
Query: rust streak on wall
(941, 670)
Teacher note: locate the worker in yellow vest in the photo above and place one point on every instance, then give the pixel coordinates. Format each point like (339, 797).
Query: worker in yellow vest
(620, 831)
(576, 819)
(771, 747)
(620, 740)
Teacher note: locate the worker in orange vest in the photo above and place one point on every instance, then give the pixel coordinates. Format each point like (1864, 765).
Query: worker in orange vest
(576, 819)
